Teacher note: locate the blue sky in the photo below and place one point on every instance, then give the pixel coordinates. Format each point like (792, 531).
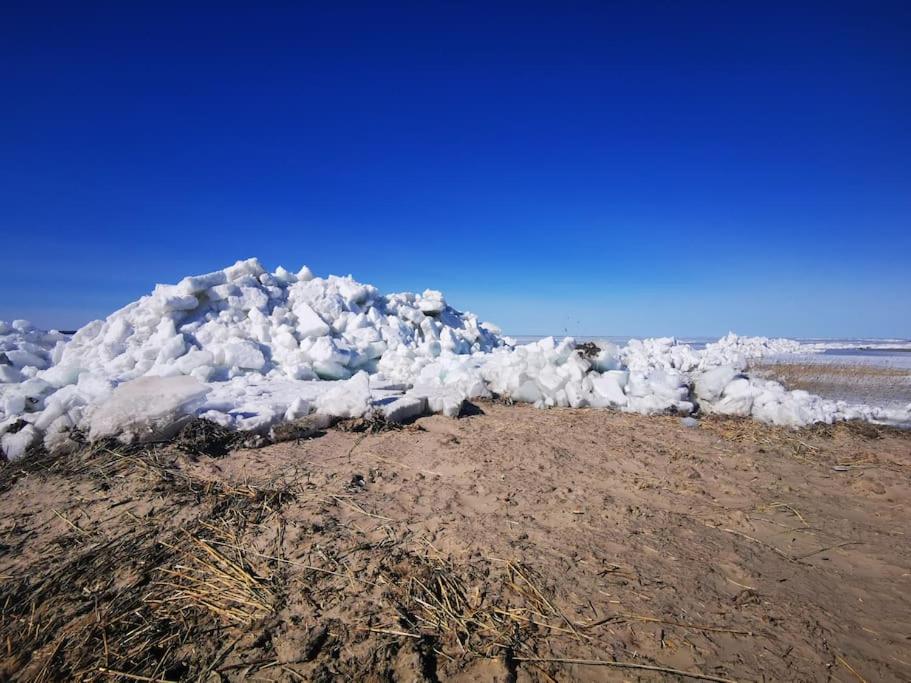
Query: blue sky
(594, 168)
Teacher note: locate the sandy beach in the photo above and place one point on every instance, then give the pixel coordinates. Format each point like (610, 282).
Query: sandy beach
(510, 544)
(423, 342)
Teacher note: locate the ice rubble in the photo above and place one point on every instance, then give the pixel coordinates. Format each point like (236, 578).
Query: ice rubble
(24, 350)
(259, 347)
(733, 350)
(247, 349)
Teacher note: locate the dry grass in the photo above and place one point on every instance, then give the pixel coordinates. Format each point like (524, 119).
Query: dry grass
(770, 437)
(510, 613)
(207, 577)
(475, 615)
(131, 607)
(809, 444)
(135, 607)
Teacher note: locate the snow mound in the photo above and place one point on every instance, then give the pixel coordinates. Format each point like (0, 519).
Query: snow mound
(248, 349)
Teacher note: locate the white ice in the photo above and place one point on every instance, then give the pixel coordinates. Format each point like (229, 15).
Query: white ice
(247, 349)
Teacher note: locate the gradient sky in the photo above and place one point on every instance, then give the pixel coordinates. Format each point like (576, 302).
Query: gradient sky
(636, 168)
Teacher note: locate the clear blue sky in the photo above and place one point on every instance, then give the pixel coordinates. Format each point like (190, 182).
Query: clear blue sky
(601, 168)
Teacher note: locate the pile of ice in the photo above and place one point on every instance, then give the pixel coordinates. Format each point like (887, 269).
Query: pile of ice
(733, 350)
(243, 347)
(248, 349)
(24, 350)
(639, 378)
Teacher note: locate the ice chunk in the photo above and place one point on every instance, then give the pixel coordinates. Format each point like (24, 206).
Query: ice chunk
(309, 324)
(330, 370)
(61, 375)
(737, 398)
(250, 267)
(609, 387)
(299, 408)
(282, 275)
(404, 408)
(199, 283)
(550, 380)
(432, 302)
(445, 399)
(527, 392)
(147, 408)
(177, 302)
(22, 358)
(14, 445)
(348, 398)
(9, 374)
(193, 359)
(244, 354)
(608, 358)
(326, 349)
(12, 403)
(171, 349)
(710, 384)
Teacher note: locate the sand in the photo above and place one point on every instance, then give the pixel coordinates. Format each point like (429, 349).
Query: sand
(512, 544)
